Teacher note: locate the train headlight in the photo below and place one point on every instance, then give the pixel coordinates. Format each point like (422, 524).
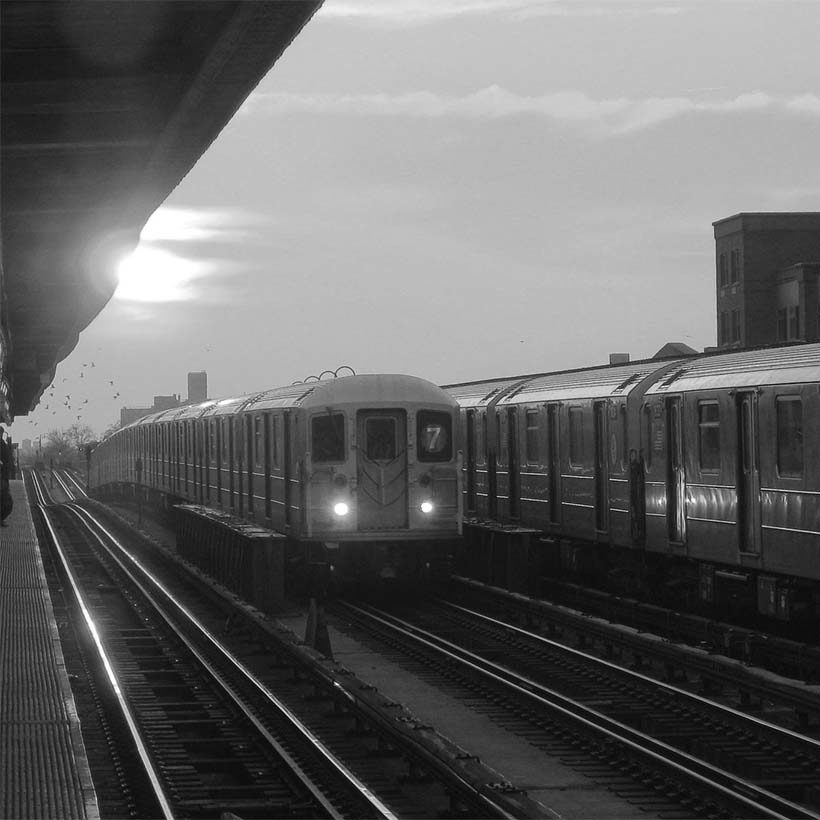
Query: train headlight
(341, 509)
(427, 506)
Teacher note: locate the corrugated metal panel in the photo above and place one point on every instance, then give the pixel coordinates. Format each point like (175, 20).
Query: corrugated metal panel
(594, 383)
(479, 394)
(745, 368)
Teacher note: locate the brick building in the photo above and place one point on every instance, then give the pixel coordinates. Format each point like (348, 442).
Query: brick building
(767, 275)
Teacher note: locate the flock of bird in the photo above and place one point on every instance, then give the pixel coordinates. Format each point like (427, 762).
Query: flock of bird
(52, 396)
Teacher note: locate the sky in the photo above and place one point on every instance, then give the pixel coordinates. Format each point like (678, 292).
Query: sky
(461, 189)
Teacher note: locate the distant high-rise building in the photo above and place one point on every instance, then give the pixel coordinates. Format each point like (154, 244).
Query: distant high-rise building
(767, 278)
(197, 387)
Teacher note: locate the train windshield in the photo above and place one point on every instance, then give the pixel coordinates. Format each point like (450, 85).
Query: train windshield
(327, 435)
(434, 436)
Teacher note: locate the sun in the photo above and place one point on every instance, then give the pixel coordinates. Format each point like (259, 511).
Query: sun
(153, 275)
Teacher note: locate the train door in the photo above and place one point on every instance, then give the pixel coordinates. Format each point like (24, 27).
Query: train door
(267, 426)
(253, 433)
(287, 467)
(748, 480)
(471, 460)
(230, 456)
(675, 475)
(238, 457)
(493, 422)
(513, 464)
(554, 466)
(601, 468)
(382, 469)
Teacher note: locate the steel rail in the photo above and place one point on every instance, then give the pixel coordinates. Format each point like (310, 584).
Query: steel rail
(96, 528)
(720, 708)
(742, 791)
(139, 742)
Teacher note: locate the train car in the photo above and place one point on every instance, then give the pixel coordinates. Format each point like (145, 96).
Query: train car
(733, 476)
(362, 472)
(558, 447)
(700, 472)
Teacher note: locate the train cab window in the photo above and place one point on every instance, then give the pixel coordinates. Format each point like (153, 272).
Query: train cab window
(789, 436)
(533, 453)
(434, 436)
(328, 437)
(577, 445)
(380, 438)
(709, 436)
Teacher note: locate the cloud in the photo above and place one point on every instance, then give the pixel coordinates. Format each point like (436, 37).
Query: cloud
(609, 116)
(421, 12)
(176, 251)
(198, 224)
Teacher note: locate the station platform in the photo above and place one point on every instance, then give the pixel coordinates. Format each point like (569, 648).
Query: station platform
(44, 771)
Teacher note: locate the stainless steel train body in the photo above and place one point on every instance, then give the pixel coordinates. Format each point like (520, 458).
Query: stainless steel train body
(362, 466)
(712, 462)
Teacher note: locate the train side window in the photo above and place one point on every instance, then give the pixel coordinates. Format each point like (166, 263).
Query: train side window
(709, 436)
(576, 436)
(533, 449)
(483, 449)
(500, 440)
(789, 436)
(226, 433)
(328, 437)
(258, 441)
(214, 442)
(274, 442)
(434, 436)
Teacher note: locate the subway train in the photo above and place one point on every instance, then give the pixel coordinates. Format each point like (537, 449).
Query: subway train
(696, 477)
(360, 473)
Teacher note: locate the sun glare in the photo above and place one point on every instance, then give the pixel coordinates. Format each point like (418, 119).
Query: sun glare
(153, 275)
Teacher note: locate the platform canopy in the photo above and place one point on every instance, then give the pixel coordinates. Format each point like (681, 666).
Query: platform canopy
(105, 107)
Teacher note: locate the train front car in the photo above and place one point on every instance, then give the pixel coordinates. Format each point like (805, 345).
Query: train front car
(379, 476)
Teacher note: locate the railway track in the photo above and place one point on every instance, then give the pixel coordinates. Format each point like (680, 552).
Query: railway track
(193, 712)
(682, 751)
(221, 718)
(689, 649)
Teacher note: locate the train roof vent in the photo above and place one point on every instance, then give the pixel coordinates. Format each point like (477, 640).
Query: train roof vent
(672, 377)
(627, 381)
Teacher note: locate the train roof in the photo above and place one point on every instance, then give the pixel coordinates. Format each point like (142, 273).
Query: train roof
(591, 383)
(584, 383)
(480, 394)
(794, 364)
(376, 389)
